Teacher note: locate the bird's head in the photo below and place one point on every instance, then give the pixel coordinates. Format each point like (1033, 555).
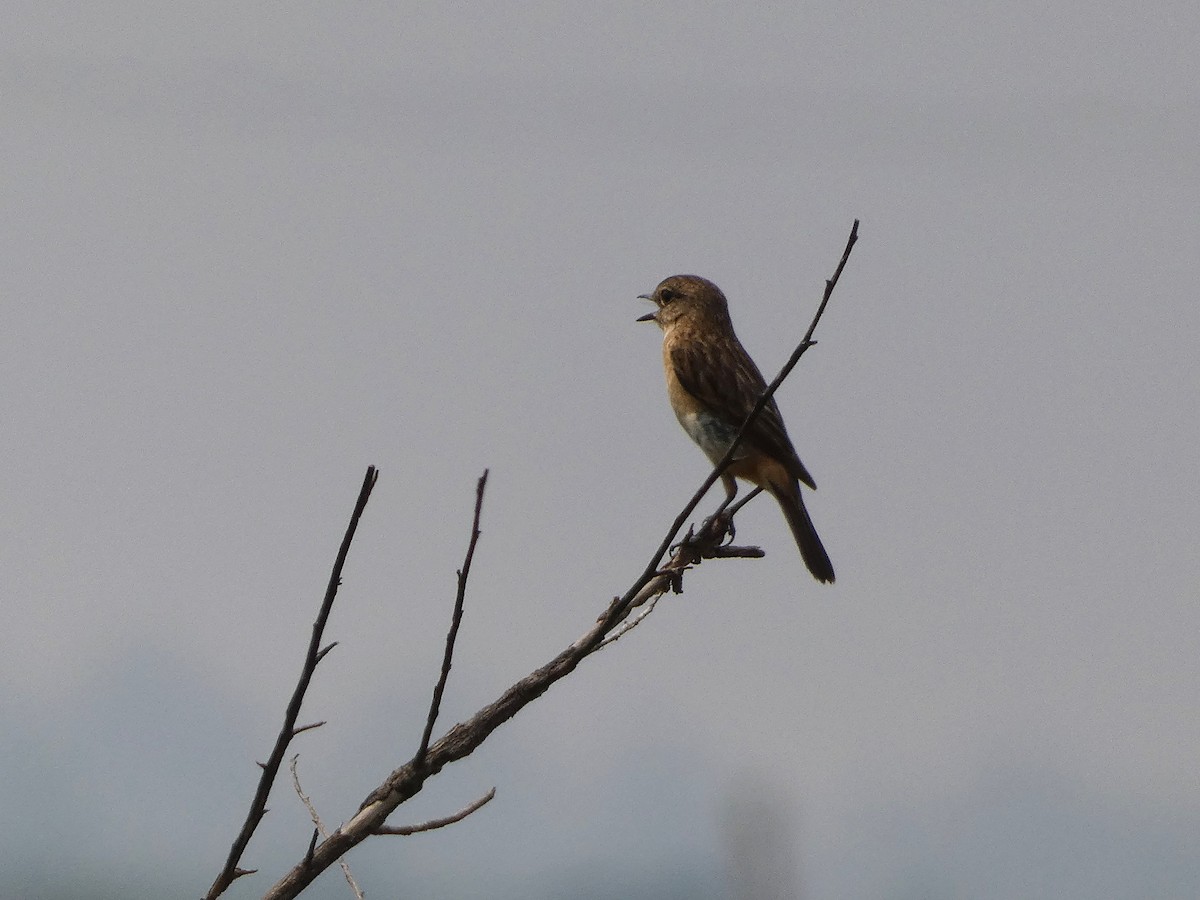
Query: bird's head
(686, 298)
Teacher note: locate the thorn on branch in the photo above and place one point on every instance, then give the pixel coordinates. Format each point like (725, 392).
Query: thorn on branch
(325, 650)
(312, 846)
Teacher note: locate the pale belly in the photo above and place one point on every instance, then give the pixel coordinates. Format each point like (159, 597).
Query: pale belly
(711, 433)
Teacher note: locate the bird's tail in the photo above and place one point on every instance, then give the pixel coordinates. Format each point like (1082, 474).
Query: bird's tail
(807, 540)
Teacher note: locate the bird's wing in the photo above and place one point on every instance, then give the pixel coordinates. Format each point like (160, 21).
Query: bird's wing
(725, 379)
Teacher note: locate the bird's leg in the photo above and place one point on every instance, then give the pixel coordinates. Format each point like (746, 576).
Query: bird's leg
(728, 512)
(750, 496)
(731, 489)
(720, 518)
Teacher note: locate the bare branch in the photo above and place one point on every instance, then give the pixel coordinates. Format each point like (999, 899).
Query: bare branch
(455, 621)
(258, 806)
(320, 827)
(309, 727)
(462, 739)
(405, 830)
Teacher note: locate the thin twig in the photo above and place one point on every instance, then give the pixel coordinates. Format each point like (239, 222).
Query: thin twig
(320, 826)
(258, 806)
(830, 284)
(405, 830)
(455, 621)
(631, 623)
(724, 552)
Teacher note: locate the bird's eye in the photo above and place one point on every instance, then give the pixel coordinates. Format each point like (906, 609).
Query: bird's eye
(667, 295)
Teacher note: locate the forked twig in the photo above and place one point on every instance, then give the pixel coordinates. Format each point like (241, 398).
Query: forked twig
(320, 827)
(631, 623)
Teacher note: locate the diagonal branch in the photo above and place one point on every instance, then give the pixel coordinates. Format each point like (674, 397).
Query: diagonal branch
(461, 740)
(258, 806)
(455, 621)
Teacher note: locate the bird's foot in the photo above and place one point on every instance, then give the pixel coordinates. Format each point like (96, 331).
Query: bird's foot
(720, 523)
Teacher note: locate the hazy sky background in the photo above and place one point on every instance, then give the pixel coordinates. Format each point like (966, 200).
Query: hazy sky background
(250, 249)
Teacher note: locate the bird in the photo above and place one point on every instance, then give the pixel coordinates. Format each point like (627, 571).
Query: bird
(713, 384)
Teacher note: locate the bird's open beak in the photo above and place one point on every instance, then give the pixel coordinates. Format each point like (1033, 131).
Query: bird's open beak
(650, 316)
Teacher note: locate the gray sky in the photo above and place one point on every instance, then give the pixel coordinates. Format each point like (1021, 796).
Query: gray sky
(250, 250)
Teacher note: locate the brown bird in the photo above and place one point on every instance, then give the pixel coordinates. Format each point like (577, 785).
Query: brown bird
(713, 384)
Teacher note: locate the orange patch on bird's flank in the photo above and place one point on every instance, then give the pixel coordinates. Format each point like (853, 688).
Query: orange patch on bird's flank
(760, 469)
